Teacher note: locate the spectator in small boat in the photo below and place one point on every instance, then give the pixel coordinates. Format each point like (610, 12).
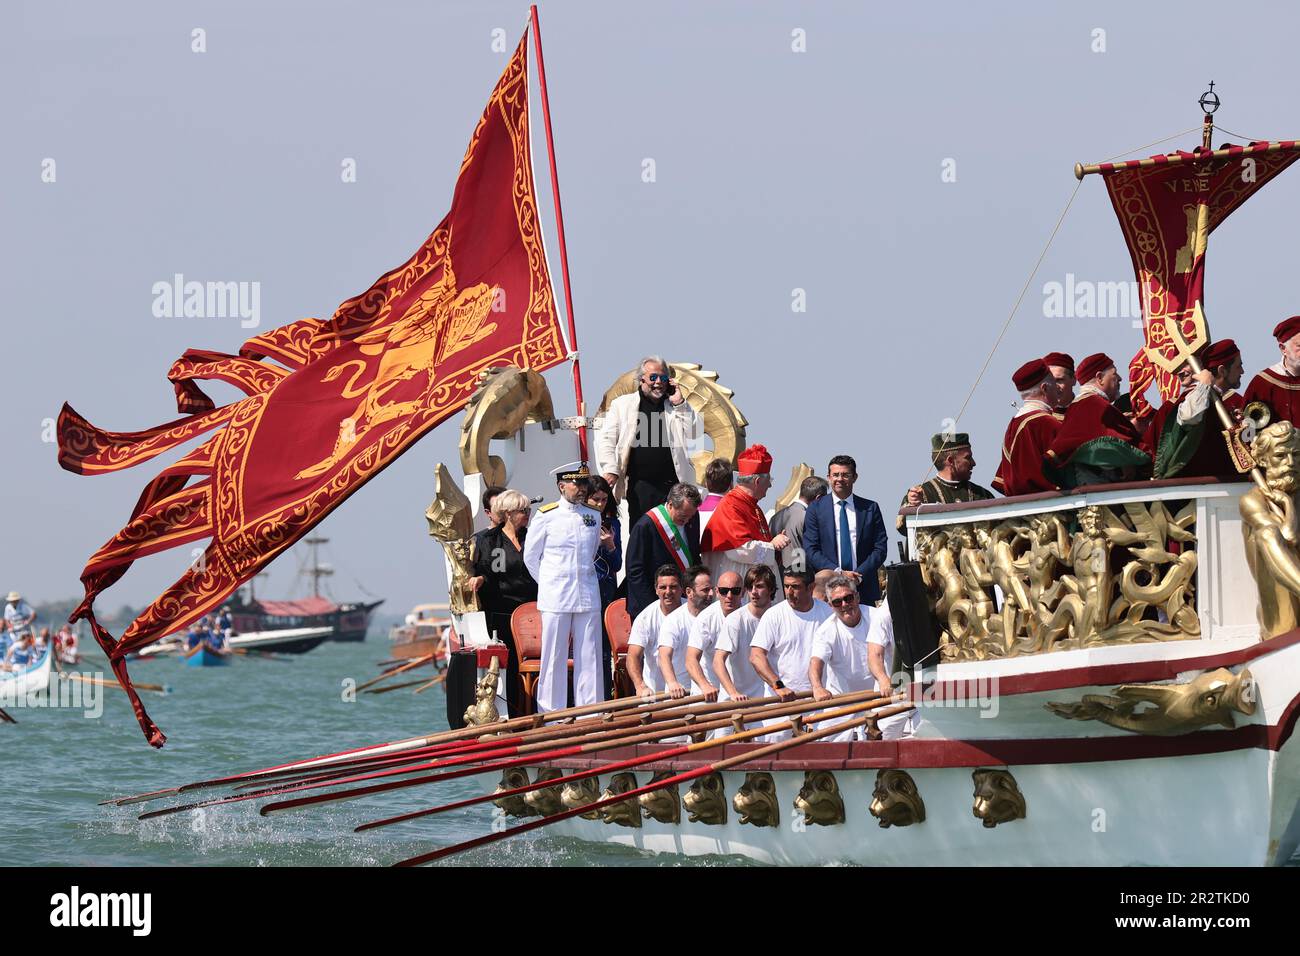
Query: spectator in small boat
(5, 638)
(43, 638)
(22, 652)
(226, 623)
(502, 581)
(609, 561)
(19, 614)
(193, 640)
(215, 637)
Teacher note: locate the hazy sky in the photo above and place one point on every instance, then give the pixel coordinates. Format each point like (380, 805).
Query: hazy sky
(775, 170)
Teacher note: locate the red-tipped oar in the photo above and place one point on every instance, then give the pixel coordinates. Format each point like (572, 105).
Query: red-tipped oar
(761, 754)
(6, 718)
(514, 723)
(738, 737)
(669, 729)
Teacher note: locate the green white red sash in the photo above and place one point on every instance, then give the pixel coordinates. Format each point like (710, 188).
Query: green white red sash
(671, 535)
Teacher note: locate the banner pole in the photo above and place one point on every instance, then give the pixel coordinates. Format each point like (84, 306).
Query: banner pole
(559, 225)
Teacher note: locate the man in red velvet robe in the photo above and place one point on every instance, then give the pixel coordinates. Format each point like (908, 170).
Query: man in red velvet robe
(1096, 444)
(1278, 386)
(1031, 431)
(1061, 367)
(1185, 437)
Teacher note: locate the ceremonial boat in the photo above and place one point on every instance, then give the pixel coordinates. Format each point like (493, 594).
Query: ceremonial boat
(1103, 676)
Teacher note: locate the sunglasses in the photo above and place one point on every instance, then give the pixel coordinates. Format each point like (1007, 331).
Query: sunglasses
(841, 601)
(731, 591)
(656, 377)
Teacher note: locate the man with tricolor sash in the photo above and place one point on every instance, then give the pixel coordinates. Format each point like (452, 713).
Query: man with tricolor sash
(667, 534)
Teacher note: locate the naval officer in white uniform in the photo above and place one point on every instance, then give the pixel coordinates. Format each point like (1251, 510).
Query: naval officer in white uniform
(560, 554)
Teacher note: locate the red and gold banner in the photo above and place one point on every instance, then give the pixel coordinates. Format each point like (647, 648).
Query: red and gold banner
(1167, 207)
(331, 403)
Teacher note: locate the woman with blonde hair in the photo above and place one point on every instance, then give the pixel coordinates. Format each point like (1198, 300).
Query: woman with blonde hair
(502, 581)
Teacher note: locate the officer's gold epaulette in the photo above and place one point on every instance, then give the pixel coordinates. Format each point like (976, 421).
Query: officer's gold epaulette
(548, 507)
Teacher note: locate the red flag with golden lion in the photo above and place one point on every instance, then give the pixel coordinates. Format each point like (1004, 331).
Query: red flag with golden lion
(330, 403)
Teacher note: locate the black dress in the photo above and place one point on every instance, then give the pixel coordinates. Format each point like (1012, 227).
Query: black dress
(506, 585)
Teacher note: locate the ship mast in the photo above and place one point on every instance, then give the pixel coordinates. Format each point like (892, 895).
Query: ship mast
(316, 570)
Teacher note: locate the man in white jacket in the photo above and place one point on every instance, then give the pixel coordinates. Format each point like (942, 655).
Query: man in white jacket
(642, 447)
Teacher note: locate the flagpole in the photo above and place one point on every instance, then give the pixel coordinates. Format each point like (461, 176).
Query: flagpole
(559, 224)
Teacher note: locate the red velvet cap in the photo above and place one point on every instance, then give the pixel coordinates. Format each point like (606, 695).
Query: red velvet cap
(1030, 374)
(1287, 328)
(1220, 353)
(1093, 366)
(1059, 359)
(754, 460)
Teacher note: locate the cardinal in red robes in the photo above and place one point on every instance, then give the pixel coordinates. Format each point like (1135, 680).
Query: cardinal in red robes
(737, 536)
(1185, 437)
(1023, 469)
(1278, 386)
(1096, 444)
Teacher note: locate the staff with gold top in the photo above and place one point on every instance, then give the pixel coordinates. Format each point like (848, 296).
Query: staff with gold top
(560, 554)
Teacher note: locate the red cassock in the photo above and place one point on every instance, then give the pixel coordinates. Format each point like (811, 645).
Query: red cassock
(1027, 439)
(1095, 433)
(1280, 391)
(1210, 457)
(736, 520)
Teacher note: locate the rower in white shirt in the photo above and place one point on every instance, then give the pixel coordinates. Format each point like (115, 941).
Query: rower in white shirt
(705, 631)
(737, 679)
(782, 645)
(643, 641)
(675, 632)
(852, 651)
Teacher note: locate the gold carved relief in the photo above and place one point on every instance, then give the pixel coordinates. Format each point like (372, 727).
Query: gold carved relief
(896, 802)
(1270, 523)
(626, 813)
(1104, 574)
(451, 521)
(664, 804)
(755, 801)
(1166, 710)
(997, 798)
(506, 399)
(819, 799)
(706, 800)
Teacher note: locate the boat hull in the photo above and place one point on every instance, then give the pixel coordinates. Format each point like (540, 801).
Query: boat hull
(34, 679)
(205, 657)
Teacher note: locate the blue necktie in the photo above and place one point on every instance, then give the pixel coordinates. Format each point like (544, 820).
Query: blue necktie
(846, 544)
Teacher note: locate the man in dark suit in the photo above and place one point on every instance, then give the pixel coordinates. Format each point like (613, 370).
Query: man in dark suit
(667, 534)
(845, 532)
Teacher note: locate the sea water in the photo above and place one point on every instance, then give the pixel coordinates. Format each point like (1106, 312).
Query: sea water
(58, 762)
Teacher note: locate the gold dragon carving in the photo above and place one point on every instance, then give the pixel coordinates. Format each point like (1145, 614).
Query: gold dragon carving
(1104, 574)
(507, 398)
(451, 521)
(1167, 710)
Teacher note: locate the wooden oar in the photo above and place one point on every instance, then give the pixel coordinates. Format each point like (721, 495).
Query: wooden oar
(762, 753)
(530, 742)
(396, 670)
(89, 679)
(656, 757)
(437, 680)
(537, 755)
(385, 690)
(478, 753)
(5, 717)
(394, 746)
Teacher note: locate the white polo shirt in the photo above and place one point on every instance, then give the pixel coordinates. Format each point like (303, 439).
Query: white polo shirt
(787, 635)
